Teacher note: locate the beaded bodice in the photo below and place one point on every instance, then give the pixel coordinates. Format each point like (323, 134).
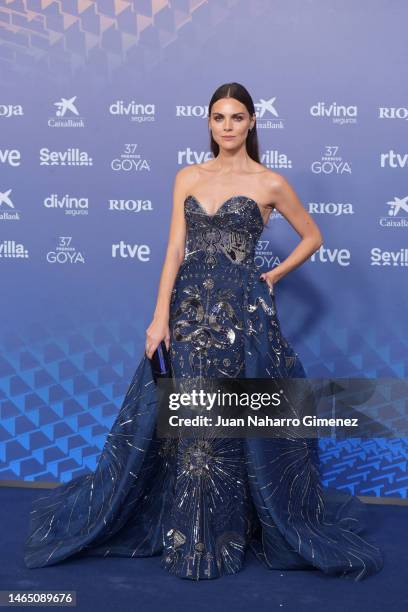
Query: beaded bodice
(227, 237)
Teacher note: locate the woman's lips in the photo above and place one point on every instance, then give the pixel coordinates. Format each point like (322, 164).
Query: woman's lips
(228, 137)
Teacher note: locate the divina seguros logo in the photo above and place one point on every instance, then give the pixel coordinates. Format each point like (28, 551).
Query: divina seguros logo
(338, 113)
(133, 111)
(71, 205)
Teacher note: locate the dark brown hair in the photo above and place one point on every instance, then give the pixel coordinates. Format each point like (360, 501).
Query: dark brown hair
(237, 91)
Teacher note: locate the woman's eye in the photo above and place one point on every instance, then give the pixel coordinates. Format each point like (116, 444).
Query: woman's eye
(220, 118)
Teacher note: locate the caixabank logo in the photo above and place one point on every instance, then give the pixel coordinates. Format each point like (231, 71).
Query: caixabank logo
(66, 114)
(397, 214)
(8, 210)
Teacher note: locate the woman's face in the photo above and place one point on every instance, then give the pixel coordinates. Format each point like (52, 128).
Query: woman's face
(229, 123)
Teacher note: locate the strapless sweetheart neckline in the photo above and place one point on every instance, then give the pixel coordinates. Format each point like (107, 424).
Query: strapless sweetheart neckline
(234, 197)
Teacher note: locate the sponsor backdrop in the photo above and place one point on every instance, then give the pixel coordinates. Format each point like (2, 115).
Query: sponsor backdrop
(100, 104)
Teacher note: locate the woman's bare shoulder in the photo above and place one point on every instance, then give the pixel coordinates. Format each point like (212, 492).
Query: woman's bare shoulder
(268, 174)
(187, 176)
(186, 172)
(272, 180)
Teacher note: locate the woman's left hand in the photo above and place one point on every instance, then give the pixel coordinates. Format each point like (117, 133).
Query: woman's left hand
(270, 277)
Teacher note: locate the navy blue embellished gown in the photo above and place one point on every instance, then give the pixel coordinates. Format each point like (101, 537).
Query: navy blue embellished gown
(200, 505)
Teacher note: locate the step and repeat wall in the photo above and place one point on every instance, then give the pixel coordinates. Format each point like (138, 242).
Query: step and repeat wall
(101, 103)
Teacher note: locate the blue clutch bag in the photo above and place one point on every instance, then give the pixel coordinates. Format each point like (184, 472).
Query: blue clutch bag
(160, 362)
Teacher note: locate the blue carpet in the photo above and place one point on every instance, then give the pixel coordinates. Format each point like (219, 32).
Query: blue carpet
(141, 584)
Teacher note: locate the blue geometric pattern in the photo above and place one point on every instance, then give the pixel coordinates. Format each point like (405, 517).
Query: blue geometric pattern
(61, 37)
(59, 398)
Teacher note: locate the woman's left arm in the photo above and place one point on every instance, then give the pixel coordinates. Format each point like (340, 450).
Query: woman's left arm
(288, 204)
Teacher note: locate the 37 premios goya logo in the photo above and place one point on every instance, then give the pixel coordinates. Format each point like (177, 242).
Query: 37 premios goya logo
(65, 252)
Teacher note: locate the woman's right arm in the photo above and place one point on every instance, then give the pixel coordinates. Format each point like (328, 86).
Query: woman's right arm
(158, 329)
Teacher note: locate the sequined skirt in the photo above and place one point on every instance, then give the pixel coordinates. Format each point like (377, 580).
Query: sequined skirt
(202, 504)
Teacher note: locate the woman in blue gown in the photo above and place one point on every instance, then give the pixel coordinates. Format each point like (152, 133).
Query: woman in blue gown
(201, 503)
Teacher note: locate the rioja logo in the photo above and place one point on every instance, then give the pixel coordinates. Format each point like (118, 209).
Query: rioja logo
(11, 110)
(130, 205)
(330, 208)
(392, 112)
